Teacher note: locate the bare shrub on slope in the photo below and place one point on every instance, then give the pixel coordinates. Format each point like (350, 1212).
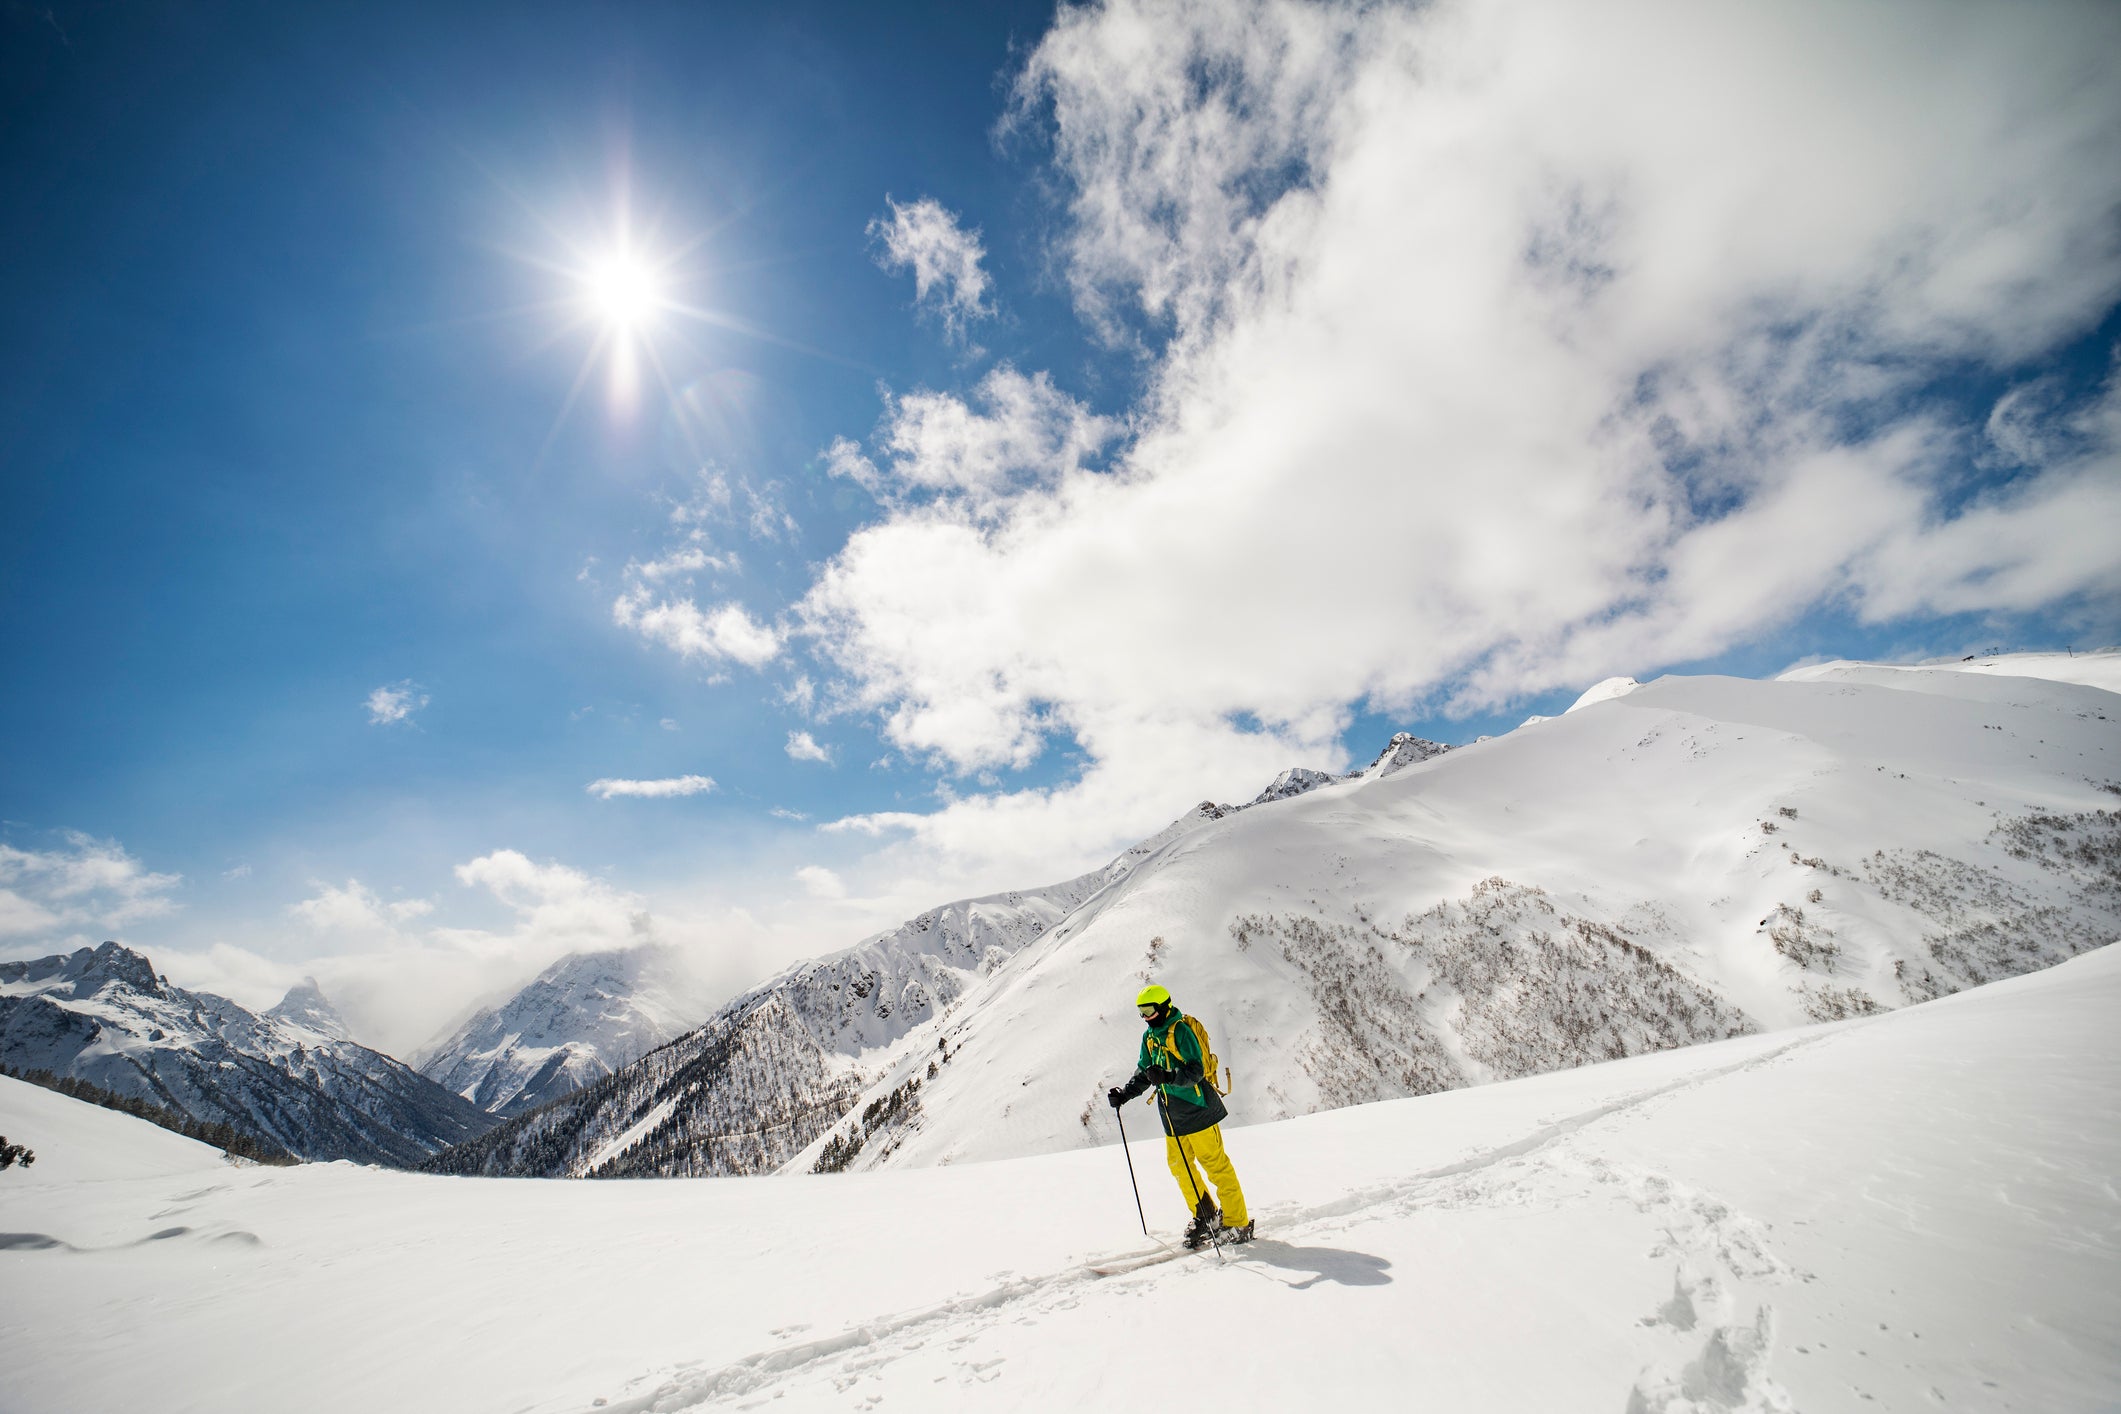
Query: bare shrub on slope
(1374, 1039)
(1988, 928)
(1494, 986)
(1540, 989)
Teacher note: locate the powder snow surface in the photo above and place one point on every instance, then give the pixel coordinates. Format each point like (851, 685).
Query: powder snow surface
(1908, 1211)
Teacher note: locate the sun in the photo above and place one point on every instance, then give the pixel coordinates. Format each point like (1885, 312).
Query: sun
(624, 292)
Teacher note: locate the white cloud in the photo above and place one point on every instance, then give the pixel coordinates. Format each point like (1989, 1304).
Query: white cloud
(353, 913)
(844, 458)
(782, 812)
(400, 978)
(1495, 348)
(948, 281)
(654, 790)
(724, 631)
(803, 747)
(1016, 433)
(395, 702)
(820, 882)
(83, 885)
(668, 724)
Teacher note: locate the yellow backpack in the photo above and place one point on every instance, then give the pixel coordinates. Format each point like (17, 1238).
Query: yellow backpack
(1210, 1063)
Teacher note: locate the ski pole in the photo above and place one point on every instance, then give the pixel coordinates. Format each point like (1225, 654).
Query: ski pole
(1191, 1182)
(1130, 1170)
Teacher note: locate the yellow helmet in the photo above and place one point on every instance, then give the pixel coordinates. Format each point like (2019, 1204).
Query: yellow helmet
(1152, 995)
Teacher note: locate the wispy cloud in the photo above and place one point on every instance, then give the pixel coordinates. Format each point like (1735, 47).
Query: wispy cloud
(686, 560)
(395, 702)
(820, 882)
(84, 884)
(948, 279)
(654, 790)
(804, 747)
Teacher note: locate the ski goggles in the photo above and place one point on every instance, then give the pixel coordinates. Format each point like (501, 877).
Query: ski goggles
(1149, 1008)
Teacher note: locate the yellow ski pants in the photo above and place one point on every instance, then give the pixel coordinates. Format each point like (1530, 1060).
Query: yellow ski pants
(1205, 1149)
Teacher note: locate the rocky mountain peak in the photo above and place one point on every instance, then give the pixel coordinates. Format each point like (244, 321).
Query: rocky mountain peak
(306, 1006)
(85, 971)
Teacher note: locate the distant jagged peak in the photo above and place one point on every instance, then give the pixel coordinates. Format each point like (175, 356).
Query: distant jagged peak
(306, 1006)
(85, 971)
(1293, 782)
(1403, 750)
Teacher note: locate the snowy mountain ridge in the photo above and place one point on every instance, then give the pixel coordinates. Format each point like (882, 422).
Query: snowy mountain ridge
(103, 1015)
(1685, 860)
(780, 1064)
(588, 1012)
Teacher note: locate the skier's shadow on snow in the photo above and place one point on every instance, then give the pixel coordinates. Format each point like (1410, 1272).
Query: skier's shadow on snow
(1324, 1263)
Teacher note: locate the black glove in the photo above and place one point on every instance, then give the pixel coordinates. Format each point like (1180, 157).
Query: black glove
(1157, 1075)
(1115, 1097)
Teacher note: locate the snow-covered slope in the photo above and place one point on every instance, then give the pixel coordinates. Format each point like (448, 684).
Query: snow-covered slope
(2100, 668)
(1692, 859)
(576, 1022)
(81, 1143)
(1910, 1211)
(102, 1015)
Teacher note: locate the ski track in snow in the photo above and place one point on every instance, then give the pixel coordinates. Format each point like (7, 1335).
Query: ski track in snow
(1719, 1336)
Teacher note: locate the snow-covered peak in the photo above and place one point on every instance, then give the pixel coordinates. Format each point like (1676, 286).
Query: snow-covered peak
(306, 1006)
(1403, 750)
(1602, 692)
(578, 1020)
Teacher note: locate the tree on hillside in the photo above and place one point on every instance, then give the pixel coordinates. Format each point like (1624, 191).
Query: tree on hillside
(12, 1154)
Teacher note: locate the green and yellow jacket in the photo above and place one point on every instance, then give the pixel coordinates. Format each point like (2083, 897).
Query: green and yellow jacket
(1188, 1105)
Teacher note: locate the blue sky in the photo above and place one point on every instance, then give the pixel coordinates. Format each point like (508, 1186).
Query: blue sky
(1080, 419)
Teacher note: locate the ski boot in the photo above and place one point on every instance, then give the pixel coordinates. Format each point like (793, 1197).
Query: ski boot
(1236, 1235)
(1202, 1229)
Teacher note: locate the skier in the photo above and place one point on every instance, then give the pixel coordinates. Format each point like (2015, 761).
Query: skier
(1173, 1058)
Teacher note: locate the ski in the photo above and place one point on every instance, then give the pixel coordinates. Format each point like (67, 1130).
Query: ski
(1135, 1261)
